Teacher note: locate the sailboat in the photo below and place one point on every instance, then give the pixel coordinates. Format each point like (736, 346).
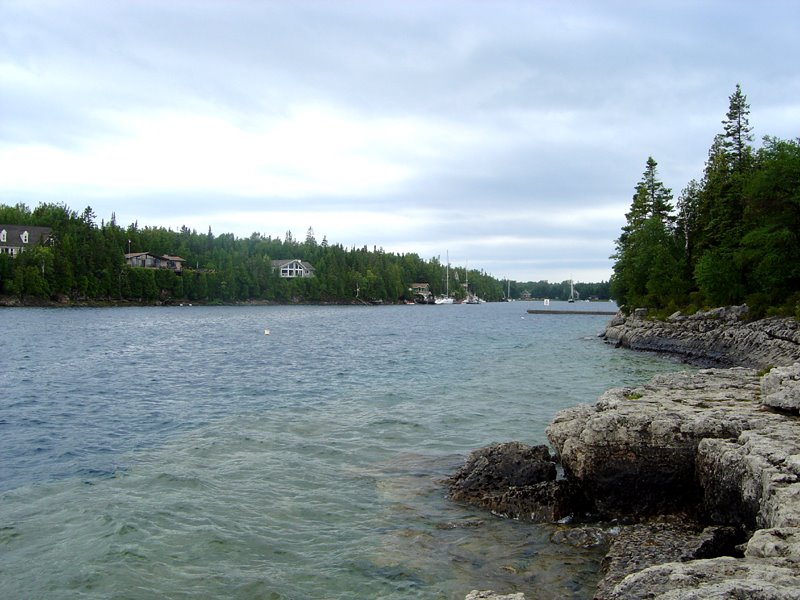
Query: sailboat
(573, 295)
(507, 295)
(446, 299)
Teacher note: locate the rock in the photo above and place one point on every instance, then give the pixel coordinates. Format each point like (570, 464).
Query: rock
(490, 595)
(501, 466)
(718, 337)
(720, 578)
(780, 388)
(754, 479)
(633, 453)
(781, 542)
(700, 441)
(721, 445)
(516, 481)
(646, 544)
(583, 536)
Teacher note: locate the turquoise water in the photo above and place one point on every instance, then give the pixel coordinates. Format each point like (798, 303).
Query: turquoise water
(182, 453)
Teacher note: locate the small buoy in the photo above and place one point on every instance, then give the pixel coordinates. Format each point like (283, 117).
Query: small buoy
(266, 332)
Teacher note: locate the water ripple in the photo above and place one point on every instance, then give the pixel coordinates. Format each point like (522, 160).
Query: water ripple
(180, 453)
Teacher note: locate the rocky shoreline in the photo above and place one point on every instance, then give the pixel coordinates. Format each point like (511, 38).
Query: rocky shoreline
(692, 480)
(721, 337)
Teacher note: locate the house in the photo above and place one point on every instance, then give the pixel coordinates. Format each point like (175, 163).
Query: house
(422, 293)
(293, 268)
(17, 238)
(153, 261)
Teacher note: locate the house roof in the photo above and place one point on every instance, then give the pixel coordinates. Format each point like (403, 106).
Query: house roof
(286, 261)
(14, 233)
(165, 256)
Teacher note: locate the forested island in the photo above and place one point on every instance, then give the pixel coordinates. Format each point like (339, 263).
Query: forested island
(84, 261)
(732, 237)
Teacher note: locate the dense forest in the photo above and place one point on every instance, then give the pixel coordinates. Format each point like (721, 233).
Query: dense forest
(732, 236)
(86, 262)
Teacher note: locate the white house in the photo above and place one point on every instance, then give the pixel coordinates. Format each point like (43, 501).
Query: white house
(293, 268)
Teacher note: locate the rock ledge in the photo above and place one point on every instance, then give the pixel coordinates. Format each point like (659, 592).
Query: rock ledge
(719, 337)
(700, 470)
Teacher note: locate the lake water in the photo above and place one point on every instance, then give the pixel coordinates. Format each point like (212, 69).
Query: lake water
(182, 453)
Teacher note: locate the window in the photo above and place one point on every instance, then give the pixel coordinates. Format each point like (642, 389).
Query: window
(3, 236)
(24, 237)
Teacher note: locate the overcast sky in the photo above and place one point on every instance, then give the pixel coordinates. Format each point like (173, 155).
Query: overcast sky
(510, 134)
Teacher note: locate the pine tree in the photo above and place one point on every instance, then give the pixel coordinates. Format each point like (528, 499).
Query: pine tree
(646, 260)
(738, 133)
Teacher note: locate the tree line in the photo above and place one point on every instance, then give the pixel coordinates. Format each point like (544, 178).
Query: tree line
(86, 261)
(731, 237)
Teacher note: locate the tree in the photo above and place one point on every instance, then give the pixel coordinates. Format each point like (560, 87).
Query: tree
(687, 221)
(645, 250)
(738, 133)
(655, 197)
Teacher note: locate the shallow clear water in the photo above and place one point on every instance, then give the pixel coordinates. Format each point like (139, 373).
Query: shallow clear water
(181, 453)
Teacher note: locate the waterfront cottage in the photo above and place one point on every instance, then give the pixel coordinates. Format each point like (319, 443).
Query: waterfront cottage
(153, 261)
(293, 268)
(17, 238)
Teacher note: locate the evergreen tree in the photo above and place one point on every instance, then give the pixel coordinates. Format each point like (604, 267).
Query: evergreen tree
(738, 133)
(647, 267)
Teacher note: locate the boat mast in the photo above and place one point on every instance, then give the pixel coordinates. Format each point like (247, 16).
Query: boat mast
(447, 276)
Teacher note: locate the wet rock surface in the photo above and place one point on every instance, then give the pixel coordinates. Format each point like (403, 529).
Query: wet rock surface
(513, 480)
(490, 595)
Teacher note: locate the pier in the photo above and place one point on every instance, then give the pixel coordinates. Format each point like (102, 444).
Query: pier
(556, 311)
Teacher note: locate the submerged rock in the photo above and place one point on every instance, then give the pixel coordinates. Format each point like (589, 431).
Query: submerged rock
(490, 595)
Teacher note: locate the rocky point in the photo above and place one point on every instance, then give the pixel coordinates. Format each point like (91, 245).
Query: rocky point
(698, 471)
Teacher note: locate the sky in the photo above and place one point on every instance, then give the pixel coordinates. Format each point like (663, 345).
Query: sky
(508, 135)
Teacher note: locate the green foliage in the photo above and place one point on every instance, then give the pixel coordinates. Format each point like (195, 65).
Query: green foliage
(647, 269)
(87, 262)
(735, 234)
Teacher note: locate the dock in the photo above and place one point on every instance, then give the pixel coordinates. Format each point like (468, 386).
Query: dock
(556, 311)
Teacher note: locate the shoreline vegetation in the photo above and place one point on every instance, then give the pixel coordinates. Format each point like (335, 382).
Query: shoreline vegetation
(691, 482)
(86, 262)
(730, 238)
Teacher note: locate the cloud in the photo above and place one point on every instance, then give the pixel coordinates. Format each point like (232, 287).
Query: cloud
(510, 133)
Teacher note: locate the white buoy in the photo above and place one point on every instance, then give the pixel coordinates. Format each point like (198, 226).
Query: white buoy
(266, 332)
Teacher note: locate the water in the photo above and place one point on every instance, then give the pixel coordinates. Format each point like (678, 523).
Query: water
(182, 453)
